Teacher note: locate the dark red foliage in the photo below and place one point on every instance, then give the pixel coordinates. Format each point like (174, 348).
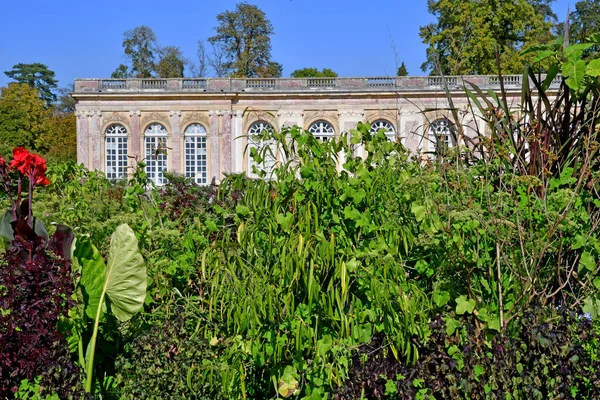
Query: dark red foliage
(34, 295)
(544, 358)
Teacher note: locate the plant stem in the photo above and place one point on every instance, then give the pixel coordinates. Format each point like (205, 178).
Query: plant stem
(90, 363)
(499, 285)
(29, 218)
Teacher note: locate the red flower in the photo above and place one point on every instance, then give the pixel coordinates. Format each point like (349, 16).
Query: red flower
(20, 160)
(31, 165)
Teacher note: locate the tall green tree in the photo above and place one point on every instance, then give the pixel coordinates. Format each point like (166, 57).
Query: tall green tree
(171, 63)
(245, 37)
(140, 49)
(468, 34)
(314, 72)
(402, 71)
(37, 76)
(24, 118)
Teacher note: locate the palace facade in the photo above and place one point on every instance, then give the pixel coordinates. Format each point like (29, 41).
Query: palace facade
(200, 127)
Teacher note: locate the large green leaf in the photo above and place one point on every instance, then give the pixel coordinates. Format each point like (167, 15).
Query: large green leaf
(593, 68)
(125, 274)
(573, 72)
(6, 230)
(93, 272)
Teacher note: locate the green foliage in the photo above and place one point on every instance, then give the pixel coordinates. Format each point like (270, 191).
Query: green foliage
(171, 62)
(546, 357)
(140, 45)
(467, 34)
(24, 119)
(244, 35)
(122, 280)
(402, 71)
(313, 72)
(38, 76)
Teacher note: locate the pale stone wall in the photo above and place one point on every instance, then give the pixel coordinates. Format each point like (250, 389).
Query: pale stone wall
(227, 108)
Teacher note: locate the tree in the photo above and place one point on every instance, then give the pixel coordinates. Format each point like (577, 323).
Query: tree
(218, 60)
(171, 62)
(65, 103)
(24, 118)
(200, 70)
(468, 33)
(313, 72)
(583, 22)
(122, 72)
(60, 140)
(402, 71)
(140, 48)
(37, 76)
(245, 37)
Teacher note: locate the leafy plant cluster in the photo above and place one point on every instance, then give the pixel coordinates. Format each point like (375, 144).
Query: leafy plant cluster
(472, 272)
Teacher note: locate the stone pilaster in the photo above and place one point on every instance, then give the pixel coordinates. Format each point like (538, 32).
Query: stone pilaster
(348, 119)
(214, 146)
(95, 137)
(226, 138)
(175, 143)
(135, 137)
(291, 118)
(412, 130)
(83, 151)
(237, 142)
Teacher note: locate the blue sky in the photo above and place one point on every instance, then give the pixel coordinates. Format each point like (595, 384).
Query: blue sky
(82, 38)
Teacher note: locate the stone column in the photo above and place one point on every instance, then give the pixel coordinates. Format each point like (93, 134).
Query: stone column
(412, 130)
(135, 138)
(226, 150)
(237, 142)
(348, 121)
(175, 143)
(95, 138)
(289, 119)
(214, 146)
(83, 151)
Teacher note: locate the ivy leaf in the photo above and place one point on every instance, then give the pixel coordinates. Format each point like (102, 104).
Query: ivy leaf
(591, 307)
(573, 72)
(441, 298)
(578, 242)
(418, 210)
(593, 68)
(451, 325)
(242, 211)
(285, 221)
(587, 261)
(464, 305)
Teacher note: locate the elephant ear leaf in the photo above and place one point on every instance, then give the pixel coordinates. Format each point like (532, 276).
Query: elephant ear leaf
(93, 272)
(125, 274)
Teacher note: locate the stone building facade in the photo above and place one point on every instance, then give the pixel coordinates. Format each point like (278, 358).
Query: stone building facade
(200, 127)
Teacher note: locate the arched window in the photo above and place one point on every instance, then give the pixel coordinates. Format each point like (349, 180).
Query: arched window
(115, 150)
(155, 141)
(322, 130)
(442, 134)
(387, 127)
(258, 144)
(195, 153)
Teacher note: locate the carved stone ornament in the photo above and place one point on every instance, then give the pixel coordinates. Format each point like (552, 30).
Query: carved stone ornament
(135, 113)
(175, 113)
(194, 117)
(351, 113)
(290, 114)
(160, 117)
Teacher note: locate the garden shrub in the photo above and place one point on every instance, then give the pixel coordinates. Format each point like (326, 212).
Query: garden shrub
(547, 356)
